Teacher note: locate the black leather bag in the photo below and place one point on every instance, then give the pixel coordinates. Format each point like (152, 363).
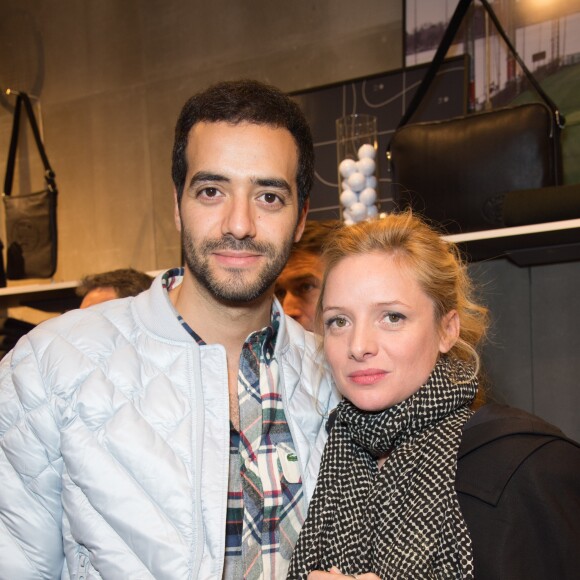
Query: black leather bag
(31, 227)
(459, 171)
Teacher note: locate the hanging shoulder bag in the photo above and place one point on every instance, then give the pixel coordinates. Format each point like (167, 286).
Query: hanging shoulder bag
(31, 228)
(459, 171)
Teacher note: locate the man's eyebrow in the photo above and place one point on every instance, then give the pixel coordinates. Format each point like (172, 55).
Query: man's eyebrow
(305, 277)
(205, 176)
(274, 183)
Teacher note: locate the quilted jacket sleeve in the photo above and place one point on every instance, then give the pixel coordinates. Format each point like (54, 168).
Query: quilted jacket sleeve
(30, 471)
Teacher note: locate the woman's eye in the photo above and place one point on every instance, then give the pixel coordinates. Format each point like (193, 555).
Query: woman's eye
(394, 317)
(337, 322)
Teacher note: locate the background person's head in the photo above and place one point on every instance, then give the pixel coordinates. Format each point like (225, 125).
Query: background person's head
(248, 101)
(121, 283)
(298, 286)
(413, 252)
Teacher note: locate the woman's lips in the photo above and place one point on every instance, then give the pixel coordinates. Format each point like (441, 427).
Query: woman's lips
(367, 377)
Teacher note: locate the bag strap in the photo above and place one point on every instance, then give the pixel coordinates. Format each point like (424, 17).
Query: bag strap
(49, 175)
(448, 36)
(12, 149)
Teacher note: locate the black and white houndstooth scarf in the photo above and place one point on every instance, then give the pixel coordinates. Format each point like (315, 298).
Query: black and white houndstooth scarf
(404, 520)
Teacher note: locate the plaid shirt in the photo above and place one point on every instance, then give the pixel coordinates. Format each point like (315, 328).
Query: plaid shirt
(265, 499)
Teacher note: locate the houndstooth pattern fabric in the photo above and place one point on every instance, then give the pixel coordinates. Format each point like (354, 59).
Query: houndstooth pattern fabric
(404, 520)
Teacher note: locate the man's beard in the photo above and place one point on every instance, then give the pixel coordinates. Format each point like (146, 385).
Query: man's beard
(234, 289)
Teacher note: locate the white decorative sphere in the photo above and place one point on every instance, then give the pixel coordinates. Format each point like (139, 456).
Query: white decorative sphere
(372, 212)
(366, 151)
(344, 184)
(358, 211)
(348, 197)
(357, 181)
(347, 167)
(366, 166)
(372, 181)
(348, 222)
(368, 196)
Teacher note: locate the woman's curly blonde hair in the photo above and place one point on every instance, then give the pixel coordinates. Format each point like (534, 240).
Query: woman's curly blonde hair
(436, 263)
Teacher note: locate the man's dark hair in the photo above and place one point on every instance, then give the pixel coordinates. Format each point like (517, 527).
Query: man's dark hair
(315, 234)
(245, 101)
(125, 282)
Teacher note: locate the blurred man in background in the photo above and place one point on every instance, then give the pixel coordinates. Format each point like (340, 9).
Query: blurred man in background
(298, 286)
(98, 288)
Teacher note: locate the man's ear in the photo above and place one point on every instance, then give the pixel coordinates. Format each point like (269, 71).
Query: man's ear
(176, 213)
(449, 331)
(301, 221)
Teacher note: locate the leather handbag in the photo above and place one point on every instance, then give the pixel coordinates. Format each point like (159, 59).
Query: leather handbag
(458, 172)
(31, 227)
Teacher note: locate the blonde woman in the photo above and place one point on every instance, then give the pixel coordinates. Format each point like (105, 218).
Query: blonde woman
(414, 483)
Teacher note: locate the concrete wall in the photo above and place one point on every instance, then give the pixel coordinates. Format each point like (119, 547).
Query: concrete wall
(113, 74)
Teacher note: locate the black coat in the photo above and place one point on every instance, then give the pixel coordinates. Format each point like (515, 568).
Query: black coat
(518, 483)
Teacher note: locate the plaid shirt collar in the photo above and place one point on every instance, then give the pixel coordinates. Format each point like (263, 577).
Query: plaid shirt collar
(266, 336)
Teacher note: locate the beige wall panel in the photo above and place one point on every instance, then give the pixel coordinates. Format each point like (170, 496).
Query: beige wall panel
(105, 209)
(164, 101)
(323, 40)
(91, 47)
(22, 47)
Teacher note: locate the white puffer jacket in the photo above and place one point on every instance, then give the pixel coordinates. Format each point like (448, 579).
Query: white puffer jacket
(114, 443)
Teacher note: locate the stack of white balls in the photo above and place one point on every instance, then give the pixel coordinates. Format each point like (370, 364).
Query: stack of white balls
(359, 186)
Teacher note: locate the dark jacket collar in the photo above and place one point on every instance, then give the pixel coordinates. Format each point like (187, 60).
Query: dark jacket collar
(496, 441)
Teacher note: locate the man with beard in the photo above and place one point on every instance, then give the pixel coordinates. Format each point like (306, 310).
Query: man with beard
(178, 434)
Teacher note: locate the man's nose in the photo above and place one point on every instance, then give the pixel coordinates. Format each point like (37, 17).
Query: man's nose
(239, 221)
